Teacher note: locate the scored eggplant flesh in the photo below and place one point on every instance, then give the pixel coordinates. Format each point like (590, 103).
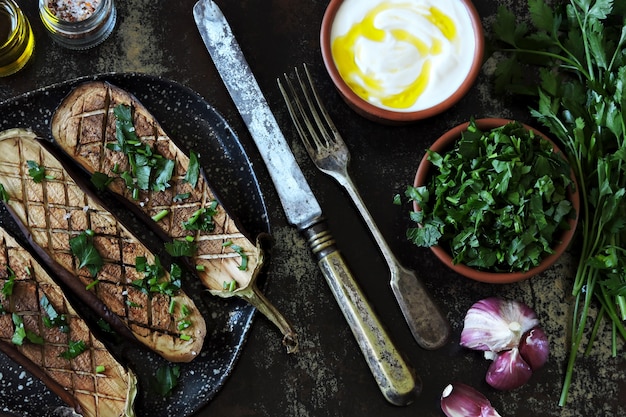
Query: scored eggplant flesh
(84, 126)
(53, 211)
(108, 391)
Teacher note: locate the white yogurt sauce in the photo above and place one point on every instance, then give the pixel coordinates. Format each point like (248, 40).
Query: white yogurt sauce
(403, 55)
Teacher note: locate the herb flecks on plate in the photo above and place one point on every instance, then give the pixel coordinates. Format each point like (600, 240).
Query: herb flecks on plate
(154, 280)
(579, 60)
(497, 201)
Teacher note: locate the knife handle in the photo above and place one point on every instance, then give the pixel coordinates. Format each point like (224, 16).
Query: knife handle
(395, 378)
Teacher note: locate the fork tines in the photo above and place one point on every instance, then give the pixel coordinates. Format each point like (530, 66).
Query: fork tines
(311, 120)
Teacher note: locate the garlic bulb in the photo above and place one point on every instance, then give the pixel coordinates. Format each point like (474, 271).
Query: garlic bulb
(495, 324)
(509, 334)
(460, 400)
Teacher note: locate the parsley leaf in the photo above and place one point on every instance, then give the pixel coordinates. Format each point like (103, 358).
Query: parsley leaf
(20, 333)
(4, 195)
(166, 379)
(74, 349)
(101, 180)
(179, 248)
(7, 288)
(52, 318)
(88, 256)
(180, 197)
(193, 172)
(37, 172)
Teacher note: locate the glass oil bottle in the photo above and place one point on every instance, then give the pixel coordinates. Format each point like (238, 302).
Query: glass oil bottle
(17, 41)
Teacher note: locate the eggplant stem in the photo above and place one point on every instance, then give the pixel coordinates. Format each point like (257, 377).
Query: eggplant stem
(254, 296)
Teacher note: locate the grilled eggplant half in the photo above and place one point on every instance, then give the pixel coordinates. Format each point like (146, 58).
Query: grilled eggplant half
(40, 330)
(108, 131)
(94, 254)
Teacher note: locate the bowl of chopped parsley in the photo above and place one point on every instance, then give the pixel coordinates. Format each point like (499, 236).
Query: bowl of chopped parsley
(495, 200)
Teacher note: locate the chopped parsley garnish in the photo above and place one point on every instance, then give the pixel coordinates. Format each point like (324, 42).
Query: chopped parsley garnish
(496, 201)
(202, 219)
(153, 282)
(193, 172)
(74, 349)
(20, 334)
(7, 288)
(148, 169)
(3, 193)
(180, 248)
(184, 324)
(92, 284)
(238, 249)
(101, 180)
(52, 318)
(88, 256)
(184, 310)
(37, 172)
(160, 215)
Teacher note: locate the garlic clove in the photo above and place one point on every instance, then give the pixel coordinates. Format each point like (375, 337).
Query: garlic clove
(495, 324)
(508, 371)
(461, 400)
(535, 348)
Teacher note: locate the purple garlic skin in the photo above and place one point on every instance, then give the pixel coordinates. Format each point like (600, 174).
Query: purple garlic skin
(460, 400)
(535, 348)
(508, 332)
(494, 324)
(508, 371)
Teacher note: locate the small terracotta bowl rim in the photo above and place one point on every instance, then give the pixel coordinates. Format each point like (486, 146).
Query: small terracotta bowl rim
(445, 142)
(378, 114)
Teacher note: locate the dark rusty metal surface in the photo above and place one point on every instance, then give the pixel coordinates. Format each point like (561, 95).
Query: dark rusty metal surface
(329, 377)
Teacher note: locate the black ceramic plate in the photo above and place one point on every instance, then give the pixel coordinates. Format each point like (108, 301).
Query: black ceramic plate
(193, 124)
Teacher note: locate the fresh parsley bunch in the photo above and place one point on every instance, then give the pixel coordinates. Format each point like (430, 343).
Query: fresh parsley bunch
(498, 200)
(577, 54)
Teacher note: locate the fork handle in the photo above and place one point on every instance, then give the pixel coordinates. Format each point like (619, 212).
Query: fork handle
(396, 380)
(427, 323)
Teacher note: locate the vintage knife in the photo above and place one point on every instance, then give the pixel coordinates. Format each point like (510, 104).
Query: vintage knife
(396, 380)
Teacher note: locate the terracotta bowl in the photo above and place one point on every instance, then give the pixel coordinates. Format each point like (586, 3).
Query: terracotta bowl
(446, 142)
(389, 115)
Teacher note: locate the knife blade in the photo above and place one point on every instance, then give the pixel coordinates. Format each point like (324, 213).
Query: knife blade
(395, 378)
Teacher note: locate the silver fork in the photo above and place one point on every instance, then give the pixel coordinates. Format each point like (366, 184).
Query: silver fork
(330, 154)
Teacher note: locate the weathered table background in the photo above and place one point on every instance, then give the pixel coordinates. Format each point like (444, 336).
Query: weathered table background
(328, 377)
